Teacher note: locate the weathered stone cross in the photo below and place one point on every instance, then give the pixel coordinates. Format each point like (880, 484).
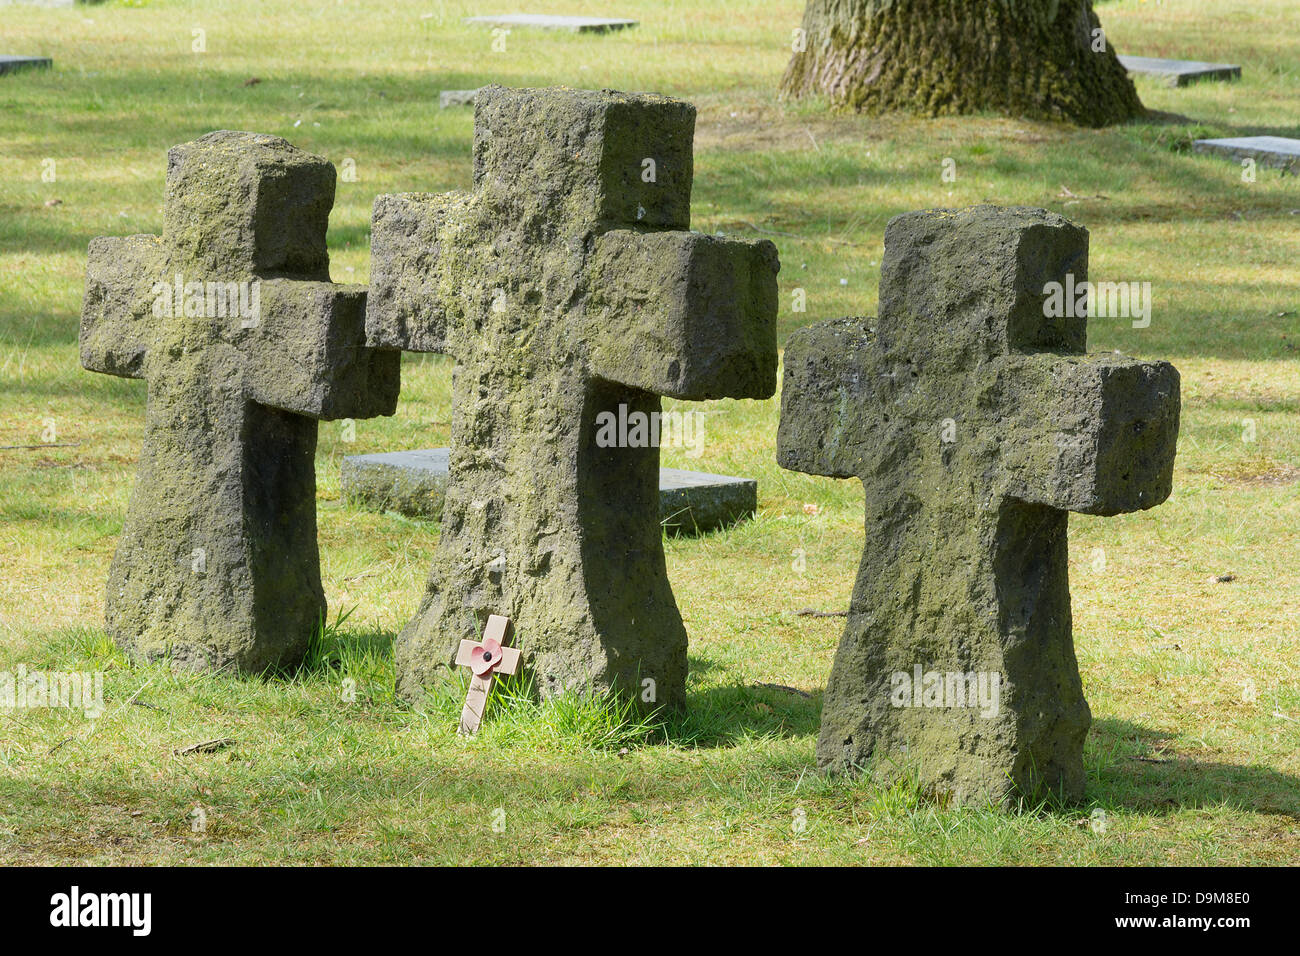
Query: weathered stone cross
(975, 424)
(232, 320)
(565, 285)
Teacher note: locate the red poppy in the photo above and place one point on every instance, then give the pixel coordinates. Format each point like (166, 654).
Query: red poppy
(485, 657)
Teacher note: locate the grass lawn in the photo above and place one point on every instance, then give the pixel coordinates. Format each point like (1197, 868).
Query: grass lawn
(1194, 682)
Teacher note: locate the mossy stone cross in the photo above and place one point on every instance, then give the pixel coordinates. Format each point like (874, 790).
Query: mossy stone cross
(565, 285)
(245, 343)
(976, 424)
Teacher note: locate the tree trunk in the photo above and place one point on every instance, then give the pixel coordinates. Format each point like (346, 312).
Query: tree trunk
(1043, 59)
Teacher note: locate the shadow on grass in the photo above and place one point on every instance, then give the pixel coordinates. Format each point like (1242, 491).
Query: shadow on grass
(1126, 768)
(719, 716)
(1130, 777)
(1127, 776)
(723, 716)
(331, 649)
(1140, 780)
(1130, 766)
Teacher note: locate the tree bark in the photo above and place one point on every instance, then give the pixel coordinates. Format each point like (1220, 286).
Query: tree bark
(1032, 58)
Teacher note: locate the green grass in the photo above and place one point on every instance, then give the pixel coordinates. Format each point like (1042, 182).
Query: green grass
(328, 767)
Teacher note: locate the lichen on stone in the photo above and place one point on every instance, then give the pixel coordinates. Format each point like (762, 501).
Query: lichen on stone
(975, 424)
(566, 284)
(218, 565)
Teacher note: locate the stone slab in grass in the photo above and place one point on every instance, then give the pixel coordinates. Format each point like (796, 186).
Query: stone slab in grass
(12, 64)
(548, 22)
(456, 98)
(1269, 150)
(1180, 72)
(414, 483)
(693, 502)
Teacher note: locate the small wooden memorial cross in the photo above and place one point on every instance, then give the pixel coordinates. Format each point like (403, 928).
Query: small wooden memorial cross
(485, 658)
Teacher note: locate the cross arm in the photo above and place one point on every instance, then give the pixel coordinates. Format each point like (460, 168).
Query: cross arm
(307, 354)
(117, 309)
(408, 292)
(1094, 434)
(684, 315)
(829, 393)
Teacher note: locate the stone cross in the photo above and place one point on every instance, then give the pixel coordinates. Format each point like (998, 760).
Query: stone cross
(976, 423)
(245, 343)
(485, 659)
(566, 285)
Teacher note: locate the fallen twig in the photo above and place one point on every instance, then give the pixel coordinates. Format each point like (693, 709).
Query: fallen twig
(813, 612)
(1065, 193)
(784, 687)
(63, 444)
(205, 747)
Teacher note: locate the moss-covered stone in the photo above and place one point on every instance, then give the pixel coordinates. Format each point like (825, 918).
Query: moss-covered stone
(566, 285)
(218, 563)
(1043, 59)
(975, 424)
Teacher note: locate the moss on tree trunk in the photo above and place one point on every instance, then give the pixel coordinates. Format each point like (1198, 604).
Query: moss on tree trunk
(1034, 58)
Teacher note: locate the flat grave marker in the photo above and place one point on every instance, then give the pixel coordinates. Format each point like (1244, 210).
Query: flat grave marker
(542, 21)
(1179, 72)
(13, 64)
(1270, 150)
(414, 483)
